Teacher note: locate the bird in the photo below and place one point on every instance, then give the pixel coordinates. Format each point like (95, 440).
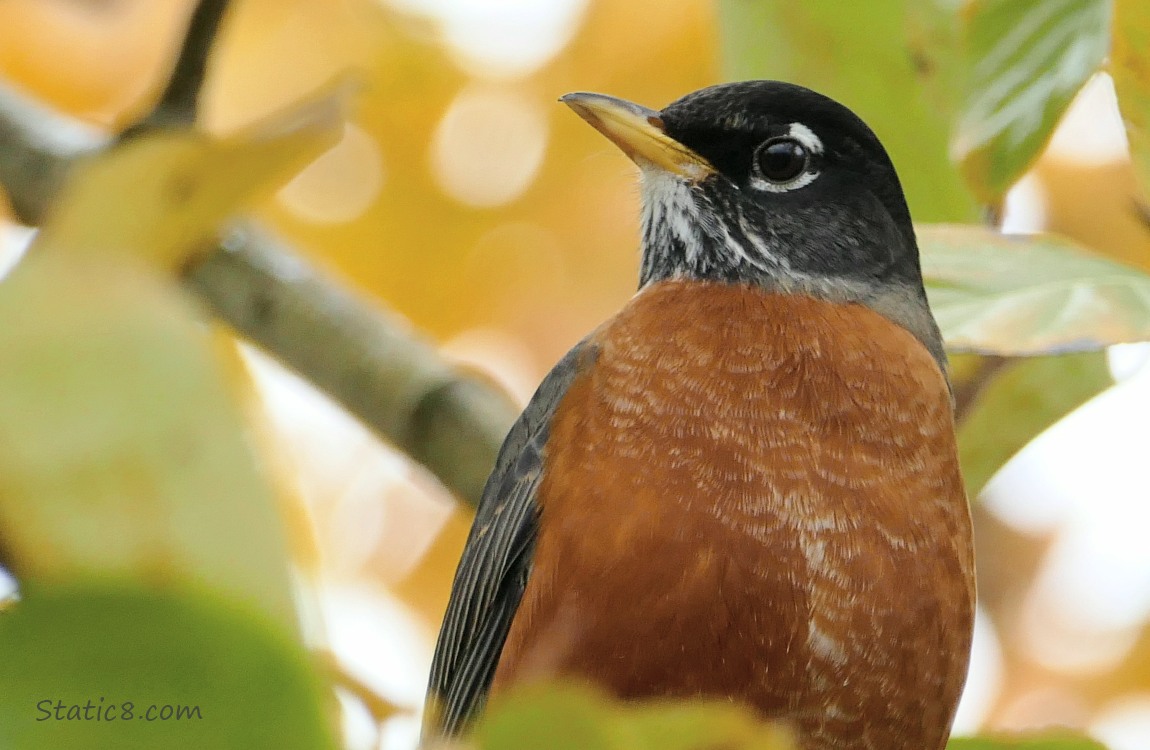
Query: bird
(744, 486)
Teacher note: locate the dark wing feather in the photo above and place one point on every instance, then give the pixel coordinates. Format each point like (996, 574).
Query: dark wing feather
(492, 573)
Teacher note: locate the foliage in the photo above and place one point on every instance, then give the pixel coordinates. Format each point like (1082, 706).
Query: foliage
(1045, 741)
(133, 507)
(1036, 392)
(572, 717)
(1025, 296)
(1027, 60)
(1130, 66)
(148, 542)
(168, 667)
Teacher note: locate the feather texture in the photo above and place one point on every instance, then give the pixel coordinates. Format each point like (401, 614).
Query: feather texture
(494, 569)
(756, 496)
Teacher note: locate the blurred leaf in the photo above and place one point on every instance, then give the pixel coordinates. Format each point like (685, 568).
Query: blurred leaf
(1028, 58)
(1045, 741)
(1028, 295)
(891, 61)
(162, 196)
(123, 453)
(567, 717)
(252, 686)
(548, 719)
(1020, 403)
(1130, 67)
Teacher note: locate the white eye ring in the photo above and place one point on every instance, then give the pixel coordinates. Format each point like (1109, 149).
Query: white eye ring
(759, 181)
(806, 138)
(804, 179)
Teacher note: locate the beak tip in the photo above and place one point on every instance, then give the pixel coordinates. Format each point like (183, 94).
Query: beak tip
(576, 100)
(640, 133)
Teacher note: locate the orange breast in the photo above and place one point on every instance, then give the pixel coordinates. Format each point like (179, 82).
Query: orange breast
(756, 496)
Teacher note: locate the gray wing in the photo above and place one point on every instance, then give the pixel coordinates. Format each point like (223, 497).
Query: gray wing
(492, 573)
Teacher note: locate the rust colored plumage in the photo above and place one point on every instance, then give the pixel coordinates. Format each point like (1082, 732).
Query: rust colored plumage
(755, 496)
(745, 485)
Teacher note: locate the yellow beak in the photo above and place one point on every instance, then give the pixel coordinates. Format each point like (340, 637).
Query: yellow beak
(639, 132)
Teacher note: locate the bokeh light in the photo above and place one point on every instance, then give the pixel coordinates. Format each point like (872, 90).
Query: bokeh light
(1124, 724)
(341, 184)
(502, 38)
(489, 145)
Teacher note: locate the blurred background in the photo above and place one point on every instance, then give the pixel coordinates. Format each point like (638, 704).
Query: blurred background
(463, 196)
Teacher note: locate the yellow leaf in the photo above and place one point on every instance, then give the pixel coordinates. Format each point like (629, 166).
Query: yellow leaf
(1130, 66)
(164, 196)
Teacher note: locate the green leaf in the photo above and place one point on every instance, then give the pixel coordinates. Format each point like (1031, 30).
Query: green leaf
(1058, 740)
(1028, 58)
(894, 62)
(1020, 403)
(555, 719)
(1029, 295)
(238, 682)
(569, 717)
(1130, 67)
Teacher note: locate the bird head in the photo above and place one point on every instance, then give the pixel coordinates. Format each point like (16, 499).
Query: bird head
(769, 183)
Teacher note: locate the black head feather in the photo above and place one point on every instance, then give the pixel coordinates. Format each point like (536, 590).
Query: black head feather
(840, 229)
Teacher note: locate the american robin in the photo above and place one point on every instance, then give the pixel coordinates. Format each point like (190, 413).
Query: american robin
(745, 484)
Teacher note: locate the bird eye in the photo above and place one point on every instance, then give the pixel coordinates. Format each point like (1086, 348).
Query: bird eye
(781, 160)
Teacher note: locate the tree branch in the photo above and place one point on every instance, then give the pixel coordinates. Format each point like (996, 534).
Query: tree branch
(393, 380)
(179, 104)
(37, 148)
(1142, 210)
(967, 391)
(369, 360)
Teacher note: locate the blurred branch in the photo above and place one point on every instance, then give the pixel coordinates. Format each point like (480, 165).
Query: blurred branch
(179, 104)
(1143, 211)
(967, 390)
(374, 365)
(37, 148)
(366, 358)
